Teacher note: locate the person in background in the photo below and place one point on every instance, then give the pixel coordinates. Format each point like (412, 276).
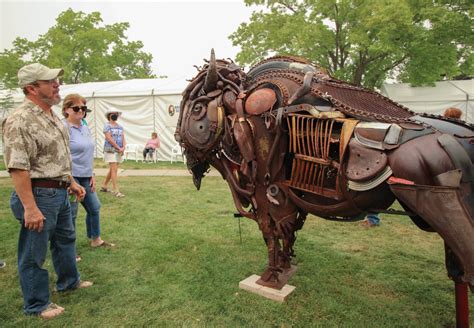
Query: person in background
(151, 145)
(114, 147)
(453, 112)
(82, 153)
(37, 156)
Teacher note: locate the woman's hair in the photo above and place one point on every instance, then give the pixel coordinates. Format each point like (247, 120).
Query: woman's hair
(70, 100)
(452, 112)
(154, 134)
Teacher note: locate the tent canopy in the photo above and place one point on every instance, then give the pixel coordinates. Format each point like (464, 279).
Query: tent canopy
(135, 87)
(436, 99)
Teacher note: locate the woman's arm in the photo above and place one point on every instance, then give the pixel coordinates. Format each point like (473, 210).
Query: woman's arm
(123, 139)
(110, 139)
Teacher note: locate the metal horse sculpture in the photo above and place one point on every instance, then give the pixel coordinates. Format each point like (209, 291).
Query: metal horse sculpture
(290, 140)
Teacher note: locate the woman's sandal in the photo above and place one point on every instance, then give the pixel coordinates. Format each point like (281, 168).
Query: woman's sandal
(104, 244)
(103, 189)
(118, 194)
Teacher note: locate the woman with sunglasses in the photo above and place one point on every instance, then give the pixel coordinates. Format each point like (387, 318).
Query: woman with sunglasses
(82, 153)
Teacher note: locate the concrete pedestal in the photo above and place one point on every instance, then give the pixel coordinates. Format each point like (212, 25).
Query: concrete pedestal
(279, 295)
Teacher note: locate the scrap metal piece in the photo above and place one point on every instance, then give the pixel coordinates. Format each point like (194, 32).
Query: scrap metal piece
(364, 163)
(260, 101)
(370, 184)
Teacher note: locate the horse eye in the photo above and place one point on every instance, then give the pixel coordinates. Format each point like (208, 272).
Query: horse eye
(197, 108)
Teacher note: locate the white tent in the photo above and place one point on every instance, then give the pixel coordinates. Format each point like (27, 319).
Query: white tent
(435, 100)
(147, 105)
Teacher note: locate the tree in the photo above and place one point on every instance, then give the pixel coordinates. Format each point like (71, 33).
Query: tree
(365, 41)
(87, 49)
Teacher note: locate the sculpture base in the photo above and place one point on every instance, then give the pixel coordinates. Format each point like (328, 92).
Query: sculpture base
(280, 295)
(283, 278)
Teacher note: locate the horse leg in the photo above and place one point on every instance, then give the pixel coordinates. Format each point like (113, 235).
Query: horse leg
(270, 277)
(279, 269)
(285, 230)
(455, 272)
(287, 251)
(287, 227)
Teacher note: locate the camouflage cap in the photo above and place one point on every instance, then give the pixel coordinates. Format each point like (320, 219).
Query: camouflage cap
(36, 72)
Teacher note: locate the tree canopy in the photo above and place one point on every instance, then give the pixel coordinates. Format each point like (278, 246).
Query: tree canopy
(365, 41)
(87, 49)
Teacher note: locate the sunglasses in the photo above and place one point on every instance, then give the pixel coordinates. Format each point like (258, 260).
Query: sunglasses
(78, 108)
(50, 82)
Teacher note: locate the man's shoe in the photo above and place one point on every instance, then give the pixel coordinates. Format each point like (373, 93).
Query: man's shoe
(53, 310)
(2, 264)
(84, 284)
(81, 284)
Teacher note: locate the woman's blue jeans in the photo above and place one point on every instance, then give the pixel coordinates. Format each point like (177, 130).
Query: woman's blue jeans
(91, 204)
(59, 231)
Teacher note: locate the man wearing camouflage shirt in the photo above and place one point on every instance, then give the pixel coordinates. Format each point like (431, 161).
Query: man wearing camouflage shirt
(36, 153)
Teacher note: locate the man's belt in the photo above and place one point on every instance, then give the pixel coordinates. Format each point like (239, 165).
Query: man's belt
(48, 183)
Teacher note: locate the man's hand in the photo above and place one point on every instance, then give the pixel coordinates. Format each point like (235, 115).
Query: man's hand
(78, 190)
(92, 184)
(34, 219)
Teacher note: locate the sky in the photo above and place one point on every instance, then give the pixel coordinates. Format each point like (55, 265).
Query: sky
(179, 34)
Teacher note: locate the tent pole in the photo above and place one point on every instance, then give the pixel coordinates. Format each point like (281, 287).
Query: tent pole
(154, 115)
(95, 125)
(467, 95)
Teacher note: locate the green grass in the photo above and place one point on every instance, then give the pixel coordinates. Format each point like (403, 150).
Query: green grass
(130, 165)
(133, 165)
(178, 262)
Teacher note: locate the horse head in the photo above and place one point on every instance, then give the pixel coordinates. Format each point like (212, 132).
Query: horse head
(202, 120)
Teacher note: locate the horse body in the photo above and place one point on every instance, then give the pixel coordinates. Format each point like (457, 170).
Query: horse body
(291, 140)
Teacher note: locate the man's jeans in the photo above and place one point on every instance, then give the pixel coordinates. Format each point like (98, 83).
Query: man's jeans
(373, 218)
(33, 247)
(91, 204)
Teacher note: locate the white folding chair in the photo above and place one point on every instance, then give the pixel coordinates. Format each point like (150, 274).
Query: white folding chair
(152, 157)
(155, 156)
(176, 152)
(132, 151)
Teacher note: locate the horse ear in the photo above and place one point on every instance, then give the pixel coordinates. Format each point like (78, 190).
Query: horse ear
(211, 77)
